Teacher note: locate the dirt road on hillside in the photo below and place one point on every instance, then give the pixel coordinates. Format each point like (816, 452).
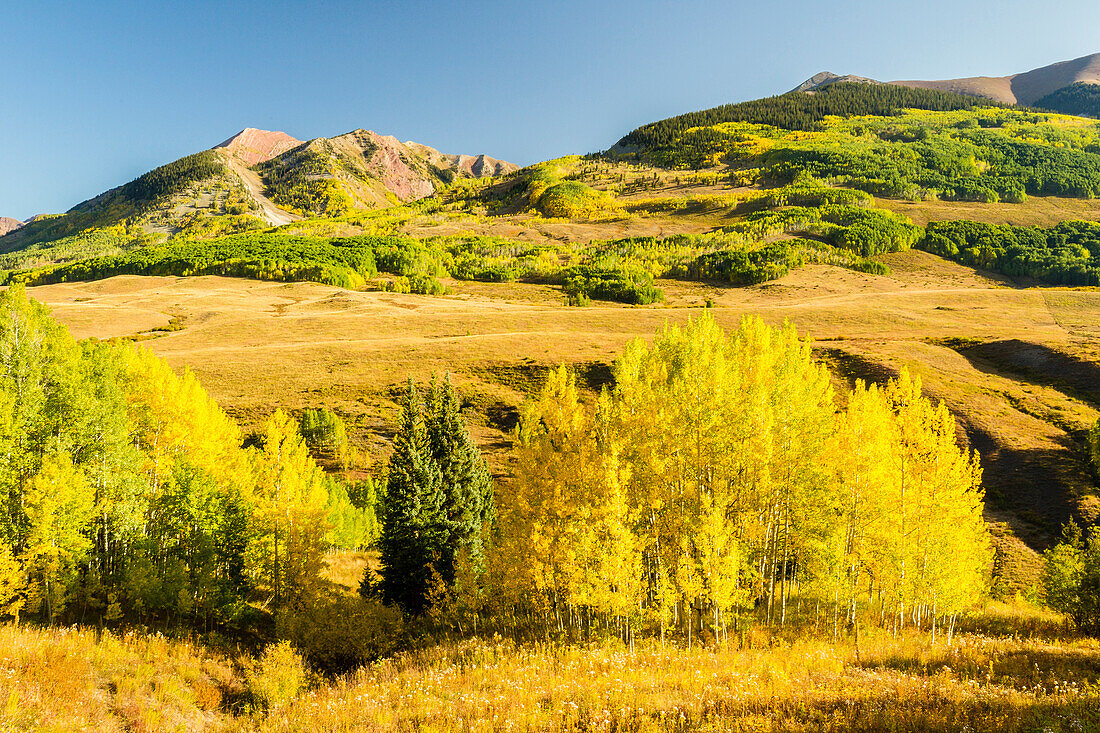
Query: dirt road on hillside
(255, 186)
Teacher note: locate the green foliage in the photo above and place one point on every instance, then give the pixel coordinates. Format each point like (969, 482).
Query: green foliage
(304, 181)
(1066, 254)
(411, 539)
(624, 284)
(345, 263)
(972, 153)
(88, 243)
(173, 177)
(1080, 98)
(324, 431)
(438, 505)
(128, 496)
(467, 510)
(1072, 577)
(743, 267)
(801, 111)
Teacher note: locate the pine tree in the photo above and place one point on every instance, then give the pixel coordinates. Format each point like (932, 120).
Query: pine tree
(411, 541)
(467, 485)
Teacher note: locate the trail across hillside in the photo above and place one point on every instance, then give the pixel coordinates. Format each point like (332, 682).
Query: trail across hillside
(255, 186)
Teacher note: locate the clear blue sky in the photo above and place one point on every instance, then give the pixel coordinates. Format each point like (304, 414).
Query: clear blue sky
(93, 94)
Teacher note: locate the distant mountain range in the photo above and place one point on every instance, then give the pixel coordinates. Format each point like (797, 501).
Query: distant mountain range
(1060, 87)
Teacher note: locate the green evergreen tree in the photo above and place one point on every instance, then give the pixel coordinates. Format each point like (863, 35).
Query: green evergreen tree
(411, 540)
(467, 483)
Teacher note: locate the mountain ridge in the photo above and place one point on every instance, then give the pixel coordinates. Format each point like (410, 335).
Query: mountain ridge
(1025, 88)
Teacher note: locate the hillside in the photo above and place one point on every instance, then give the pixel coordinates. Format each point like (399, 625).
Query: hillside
(1070, 87)
(810, 207)
(251, 181)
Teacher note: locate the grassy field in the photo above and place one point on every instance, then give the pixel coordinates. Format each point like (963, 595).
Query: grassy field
(1010, 668)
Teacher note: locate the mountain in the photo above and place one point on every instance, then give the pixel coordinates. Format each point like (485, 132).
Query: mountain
(1070, 87)
(7, 224)
(363, 169)
(254, 180)
(826, 78)
(1026, 88)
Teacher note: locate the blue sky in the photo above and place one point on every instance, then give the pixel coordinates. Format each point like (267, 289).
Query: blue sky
(93, 94)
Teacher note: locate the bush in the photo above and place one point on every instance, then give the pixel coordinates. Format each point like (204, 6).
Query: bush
(337, 633)
(743, 267)
(278, 677)
(624, 285)
(575, 200)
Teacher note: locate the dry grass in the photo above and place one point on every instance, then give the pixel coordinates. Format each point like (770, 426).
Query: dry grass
(1042, 211)
(346, 569)
(978, 683)
(1011, 668)
(65, 680)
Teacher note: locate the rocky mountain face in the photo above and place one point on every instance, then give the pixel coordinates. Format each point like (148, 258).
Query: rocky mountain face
(364, 169)
(7, 224)
(252, 146)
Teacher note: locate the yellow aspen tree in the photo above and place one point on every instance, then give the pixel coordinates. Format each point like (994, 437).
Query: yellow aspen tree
(59, 508)
(290, 513)
(863, 450)
(540, 517)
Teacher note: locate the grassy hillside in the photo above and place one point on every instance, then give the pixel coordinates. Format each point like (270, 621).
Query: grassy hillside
(195, 196)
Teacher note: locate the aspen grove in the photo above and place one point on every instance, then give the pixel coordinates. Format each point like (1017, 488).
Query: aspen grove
(718, 481)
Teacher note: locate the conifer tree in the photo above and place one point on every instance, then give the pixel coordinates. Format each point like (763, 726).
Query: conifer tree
(411, 541)
(466, 482)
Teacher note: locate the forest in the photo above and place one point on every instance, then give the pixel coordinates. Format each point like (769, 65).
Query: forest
(720, 502)
(975, 152)
(129, 494)
(1065, 254)
(800, 111)
(1076, 99)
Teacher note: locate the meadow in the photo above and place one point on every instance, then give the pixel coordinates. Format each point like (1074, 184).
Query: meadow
(1010, 668)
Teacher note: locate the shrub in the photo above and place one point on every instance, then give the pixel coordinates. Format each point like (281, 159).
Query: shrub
(278, 677)
(337, 633)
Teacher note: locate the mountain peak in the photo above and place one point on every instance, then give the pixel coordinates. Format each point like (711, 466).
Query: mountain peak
(827, 78)
(252, 146)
